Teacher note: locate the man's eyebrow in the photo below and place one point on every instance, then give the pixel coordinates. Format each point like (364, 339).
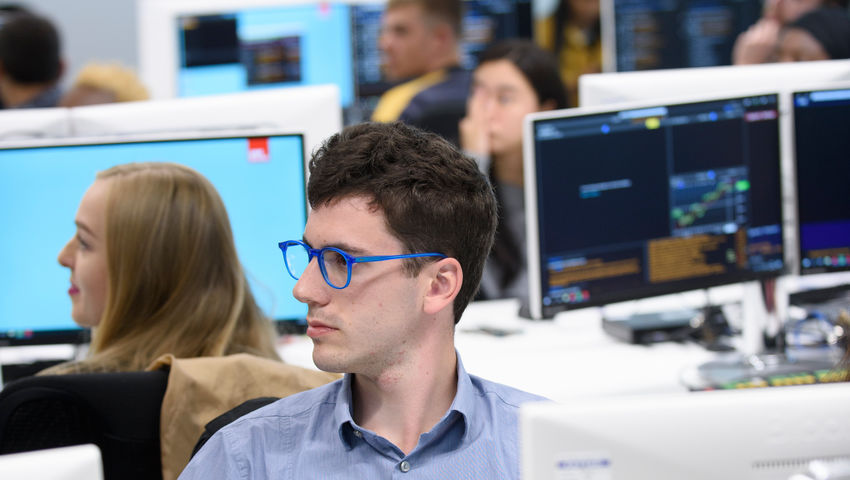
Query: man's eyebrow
(349, 249)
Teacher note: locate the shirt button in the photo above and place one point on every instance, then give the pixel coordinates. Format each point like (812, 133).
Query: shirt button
(358, 434)
(404, 466)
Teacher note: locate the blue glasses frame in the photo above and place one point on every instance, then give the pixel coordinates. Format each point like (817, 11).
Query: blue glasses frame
(350, 260)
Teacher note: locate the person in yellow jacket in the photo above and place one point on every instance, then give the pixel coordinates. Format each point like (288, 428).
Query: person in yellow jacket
(419, 46)
(572, 32)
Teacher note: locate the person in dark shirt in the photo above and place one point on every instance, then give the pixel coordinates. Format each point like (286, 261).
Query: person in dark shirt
(30, 61)
(419, 46)
(760, 42)
(822, 34)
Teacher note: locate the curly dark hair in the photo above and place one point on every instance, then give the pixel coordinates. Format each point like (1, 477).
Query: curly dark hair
(434, 197)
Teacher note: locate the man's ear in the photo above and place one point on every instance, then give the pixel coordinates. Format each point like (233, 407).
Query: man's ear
(443, 34)
(445, 279)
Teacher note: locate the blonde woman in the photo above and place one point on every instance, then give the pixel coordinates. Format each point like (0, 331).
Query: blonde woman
(154, 271)
(99, 83)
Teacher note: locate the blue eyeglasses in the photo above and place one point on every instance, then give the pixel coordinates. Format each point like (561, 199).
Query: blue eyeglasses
(334, 264)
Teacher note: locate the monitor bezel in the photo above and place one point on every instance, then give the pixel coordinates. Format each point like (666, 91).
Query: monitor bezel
(535, 298)
(79, 336)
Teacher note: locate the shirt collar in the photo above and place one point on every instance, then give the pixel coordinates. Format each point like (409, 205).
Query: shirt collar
(463, 405)
(342, 412)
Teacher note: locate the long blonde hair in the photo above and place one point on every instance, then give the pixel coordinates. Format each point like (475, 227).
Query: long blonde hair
(175, 282)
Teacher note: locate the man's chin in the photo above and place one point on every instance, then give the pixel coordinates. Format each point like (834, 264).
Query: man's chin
(326, 364)
(393, 75)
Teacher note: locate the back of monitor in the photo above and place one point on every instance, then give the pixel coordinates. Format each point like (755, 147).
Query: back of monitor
(607, 88)
(79, 462)
(34, 123)
(314, 111)
(766, 433)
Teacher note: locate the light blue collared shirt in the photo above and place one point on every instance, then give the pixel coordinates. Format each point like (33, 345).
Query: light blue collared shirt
(312, 435)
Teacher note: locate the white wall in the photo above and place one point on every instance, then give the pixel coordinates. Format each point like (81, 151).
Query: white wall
(91, 30)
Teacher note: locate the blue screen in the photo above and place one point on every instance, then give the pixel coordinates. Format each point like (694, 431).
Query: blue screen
(266, 48)
(41, 189)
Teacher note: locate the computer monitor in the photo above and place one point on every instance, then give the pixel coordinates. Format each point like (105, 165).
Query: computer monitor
(313, 111)
(259, 177)
(222, 46)
(608, 88)
(219, 46)
(661, 34)
(306, 43)
(821, 148)
(754, 434)
(648, 199)
(29, 123)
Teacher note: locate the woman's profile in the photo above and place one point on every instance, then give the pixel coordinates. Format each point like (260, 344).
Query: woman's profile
(154, 271)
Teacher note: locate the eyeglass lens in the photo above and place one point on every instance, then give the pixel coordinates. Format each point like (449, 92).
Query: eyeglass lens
(333, 264)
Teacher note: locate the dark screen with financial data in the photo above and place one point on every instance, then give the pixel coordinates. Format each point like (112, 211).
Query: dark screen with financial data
(649, 201)
(821, 152)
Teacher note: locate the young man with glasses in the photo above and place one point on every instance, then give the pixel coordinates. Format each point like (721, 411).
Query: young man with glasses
(392, 253)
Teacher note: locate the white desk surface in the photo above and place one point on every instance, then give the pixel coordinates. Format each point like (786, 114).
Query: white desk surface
(568, 357)
(571, 356)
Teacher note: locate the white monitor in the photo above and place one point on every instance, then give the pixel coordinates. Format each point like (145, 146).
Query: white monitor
(313, 111)
(23, 124)
(607, 88)
(79, 462)
(755, 434)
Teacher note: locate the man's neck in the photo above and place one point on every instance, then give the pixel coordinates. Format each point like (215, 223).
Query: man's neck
(16, 94)
(448, 60)
(408, 400)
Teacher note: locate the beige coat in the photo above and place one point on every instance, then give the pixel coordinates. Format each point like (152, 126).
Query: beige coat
(200, 389)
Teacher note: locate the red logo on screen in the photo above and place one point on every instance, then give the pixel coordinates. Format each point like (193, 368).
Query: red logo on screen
(258, 150)
(324, 9)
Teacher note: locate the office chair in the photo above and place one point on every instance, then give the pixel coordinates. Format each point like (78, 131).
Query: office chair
(229, 416)
(118, 412)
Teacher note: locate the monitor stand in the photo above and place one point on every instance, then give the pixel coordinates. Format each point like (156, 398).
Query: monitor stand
(762, 359)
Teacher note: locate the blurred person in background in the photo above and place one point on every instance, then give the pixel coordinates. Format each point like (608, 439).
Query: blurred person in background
(30, 61)
(419, 46)
(822, 34)
(573, 34)
(513, 78)
(104, 83)
(760, 42)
